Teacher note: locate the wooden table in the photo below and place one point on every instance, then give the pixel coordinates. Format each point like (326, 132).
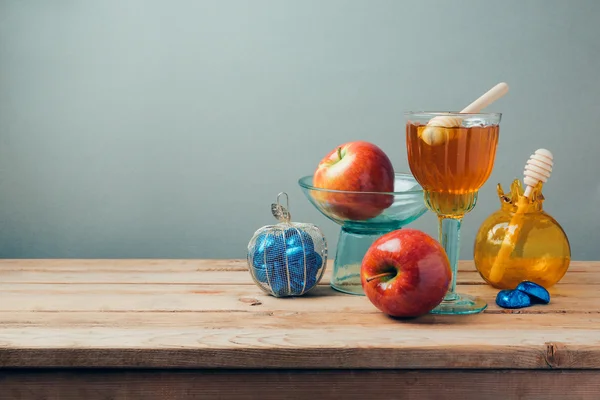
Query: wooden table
(164, 329)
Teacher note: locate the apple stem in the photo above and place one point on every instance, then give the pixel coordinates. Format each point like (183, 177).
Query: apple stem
(383, 275)
(340, 152)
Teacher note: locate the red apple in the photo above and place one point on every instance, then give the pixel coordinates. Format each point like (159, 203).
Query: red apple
(358, 167)
(405, 273)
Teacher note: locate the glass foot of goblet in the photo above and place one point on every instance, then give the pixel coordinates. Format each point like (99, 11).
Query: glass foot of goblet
(460, 304)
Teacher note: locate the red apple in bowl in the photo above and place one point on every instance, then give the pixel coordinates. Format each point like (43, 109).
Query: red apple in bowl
(405, 273)
(361, 168)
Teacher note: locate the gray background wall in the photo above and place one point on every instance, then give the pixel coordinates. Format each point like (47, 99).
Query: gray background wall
(166, 128)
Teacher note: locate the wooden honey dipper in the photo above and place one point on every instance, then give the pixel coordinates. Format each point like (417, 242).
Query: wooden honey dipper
(538, 169)
(435, 132)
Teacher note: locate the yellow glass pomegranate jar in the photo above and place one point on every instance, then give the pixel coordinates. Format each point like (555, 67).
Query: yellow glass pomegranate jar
(521, 242)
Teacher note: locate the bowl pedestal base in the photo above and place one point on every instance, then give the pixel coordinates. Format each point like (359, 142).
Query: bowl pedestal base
(351, 248)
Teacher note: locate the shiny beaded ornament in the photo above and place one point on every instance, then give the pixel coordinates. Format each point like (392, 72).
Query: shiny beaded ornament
(288, 258)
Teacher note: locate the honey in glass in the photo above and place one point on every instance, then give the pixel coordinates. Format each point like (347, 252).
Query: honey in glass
(452, 172)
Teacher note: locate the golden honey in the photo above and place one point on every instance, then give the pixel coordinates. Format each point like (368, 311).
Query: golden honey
(452, 172)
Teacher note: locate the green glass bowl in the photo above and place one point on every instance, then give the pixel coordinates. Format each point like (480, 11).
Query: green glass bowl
(363, 217)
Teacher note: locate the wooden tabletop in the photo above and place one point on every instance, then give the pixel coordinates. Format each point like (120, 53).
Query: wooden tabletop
(184, 315)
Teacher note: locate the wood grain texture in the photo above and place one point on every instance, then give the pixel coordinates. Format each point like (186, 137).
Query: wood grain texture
(294, 384)
(214, 272)
(209, 314)
(20, 297)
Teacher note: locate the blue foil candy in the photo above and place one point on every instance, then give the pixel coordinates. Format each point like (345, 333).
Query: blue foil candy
(276, 275)
(295, 255)
(272, 250)
(295, 237)
(277, 278)
(315, 260)
(525, 294)
(298, 275)
(512, 299)
(269, 248)
(260, 272)
(537, 293)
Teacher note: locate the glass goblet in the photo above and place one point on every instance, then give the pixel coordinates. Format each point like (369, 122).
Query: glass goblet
(452, 155)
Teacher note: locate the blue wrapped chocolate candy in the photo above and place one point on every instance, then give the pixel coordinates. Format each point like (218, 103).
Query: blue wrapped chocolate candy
(260, 273)
(304, 273)
(537, 293)
(525, 294)
(289, 258)
(277, 278)
(295, 255)
(295, 237)
(268, 248)
(512, 299)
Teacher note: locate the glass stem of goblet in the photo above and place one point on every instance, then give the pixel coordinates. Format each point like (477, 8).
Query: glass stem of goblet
(449, 231)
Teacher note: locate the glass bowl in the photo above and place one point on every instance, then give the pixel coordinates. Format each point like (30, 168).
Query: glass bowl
(363, 217)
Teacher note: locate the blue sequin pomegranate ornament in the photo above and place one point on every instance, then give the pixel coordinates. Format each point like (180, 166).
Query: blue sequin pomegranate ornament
(288, 258)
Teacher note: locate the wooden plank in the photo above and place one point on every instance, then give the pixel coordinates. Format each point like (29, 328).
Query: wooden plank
(276, 385)
(288, 349)
(289, 320)
(218, 277)
(214, 272)
(107, 297)
(386, 346)
(298, 340)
